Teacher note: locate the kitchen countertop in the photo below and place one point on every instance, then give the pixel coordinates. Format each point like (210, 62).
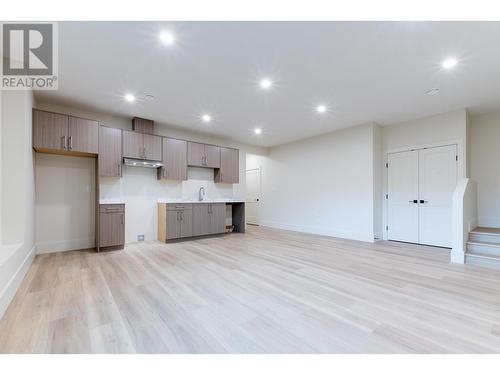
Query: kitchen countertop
(111, 201)
(208, 200)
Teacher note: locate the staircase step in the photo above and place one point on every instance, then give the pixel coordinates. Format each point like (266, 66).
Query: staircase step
(484, 234)
(488, 261)
(483, 248)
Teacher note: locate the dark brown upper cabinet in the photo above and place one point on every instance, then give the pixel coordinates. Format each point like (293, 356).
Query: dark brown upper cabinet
(174, 160)
(63, 134)
(83, 135)
(229, 171)
(141, 146)
(202, 155)
(110, 152)
(143, 125)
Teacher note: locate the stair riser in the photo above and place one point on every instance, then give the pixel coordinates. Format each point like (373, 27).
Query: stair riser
(484, 238)
(482, 249)
(481, 262)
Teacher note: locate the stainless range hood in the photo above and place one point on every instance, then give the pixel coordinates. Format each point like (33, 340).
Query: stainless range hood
(142, 163)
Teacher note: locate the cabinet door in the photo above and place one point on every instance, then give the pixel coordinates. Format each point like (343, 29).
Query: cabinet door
(152, 147)
(83, 135)
(111, 229)
(142, 125)
(174, 159)
(229, 171)
(110, 152)
(196, 154)
(173, 224)
(50, 130)
(201, 219)
(186, 229)
(212, 156)
(217, 213)
(133, 145)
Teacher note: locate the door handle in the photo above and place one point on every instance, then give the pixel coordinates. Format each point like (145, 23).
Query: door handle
(422, 201)
(413, 201)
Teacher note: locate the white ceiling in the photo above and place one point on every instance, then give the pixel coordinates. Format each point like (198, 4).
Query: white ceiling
(363, 71)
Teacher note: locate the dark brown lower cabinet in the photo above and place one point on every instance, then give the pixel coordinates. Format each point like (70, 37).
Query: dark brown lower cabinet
(189, 220)
(174, 221)
(209, 218)
(111, 226)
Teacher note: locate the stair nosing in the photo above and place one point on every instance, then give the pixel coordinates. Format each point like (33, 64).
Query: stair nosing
(482, 243)
(484, 256)
(474, 231)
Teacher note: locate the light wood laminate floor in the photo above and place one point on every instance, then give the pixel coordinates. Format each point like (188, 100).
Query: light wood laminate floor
(266, 291)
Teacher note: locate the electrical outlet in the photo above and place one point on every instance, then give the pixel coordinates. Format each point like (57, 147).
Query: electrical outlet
(140, 237)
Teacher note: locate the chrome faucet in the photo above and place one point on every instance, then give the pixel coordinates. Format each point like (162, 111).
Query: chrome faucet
(200, 196)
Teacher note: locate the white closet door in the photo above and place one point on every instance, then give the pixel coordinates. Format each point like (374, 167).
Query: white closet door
(253, 196)
(437, 180)
(402, 191)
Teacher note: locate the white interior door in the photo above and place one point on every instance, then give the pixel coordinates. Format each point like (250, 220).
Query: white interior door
(402, 212)
(253, 196)
(437, 180)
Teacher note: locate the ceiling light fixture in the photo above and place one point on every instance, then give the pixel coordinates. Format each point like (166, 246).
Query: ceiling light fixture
(129, 98)
(206, 118)
(257, 131)
(265, 83)
(449, 63)
(321, 108)
(432, 91)
(167, 38)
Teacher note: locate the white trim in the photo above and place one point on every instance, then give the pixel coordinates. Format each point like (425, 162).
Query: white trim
(10, 289)
(60, 246)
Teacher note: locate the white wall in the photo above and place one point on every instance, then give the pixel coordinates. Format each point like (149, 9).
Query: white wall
(485, 159)
(321, 185)
(139, 187)
(446, 128)
(17, 193)
(378, 185)
(65, 193)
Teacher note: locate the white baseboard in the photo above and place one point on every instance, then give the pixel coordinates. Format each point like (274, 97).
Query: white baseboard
(10, 289)
(320, 231)
(59, 246)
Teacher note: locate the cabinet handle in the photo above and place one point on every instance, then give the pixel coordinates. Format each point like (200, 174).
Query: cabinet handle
(70, 140)
(182, 214)
(63, 139)
(164, 173)
(119, 169)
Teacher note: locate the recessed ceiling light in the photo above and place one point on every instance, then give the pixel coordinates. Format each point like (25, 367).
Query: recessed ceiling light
(321, 108)
(257, 131)
(149, 97)
(129, 98)
(449, 63)
(167, 38)
(206, 118)
(432, 91)
(265, 83)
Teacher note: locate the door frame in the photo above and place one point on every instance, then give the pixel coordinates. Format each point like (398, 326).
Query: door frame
(259, 168)
(461, 172)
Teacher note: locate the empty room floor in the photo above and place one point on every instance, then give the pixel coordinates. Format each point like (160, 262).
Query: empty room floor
(265, 291)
